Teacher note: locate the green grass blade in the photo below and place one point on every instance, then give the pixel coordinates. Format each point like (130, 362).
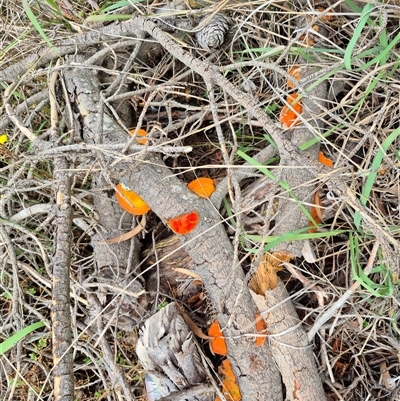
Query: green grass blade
(382, 56)
(369, 183)
(35, 22)
(120, 4)
(357, 33)
(378, 290)
(354, 7)
(14, 339)
(298, 235)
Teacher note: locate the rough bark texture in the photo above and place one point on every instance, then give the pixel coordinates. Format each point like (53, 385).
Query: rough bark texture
(290, 348)
(300, 179)
(167, 350)
(61, 314)
(212, 253)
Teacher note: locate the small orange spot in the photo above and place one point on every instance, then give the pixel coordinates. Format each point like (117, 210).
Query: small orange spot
(295, 73)
(261, 328)
(230, 387)
(307, 40)
(324, 160)
(184, 223)
(217, 344)
(140, 133)
(289, 115)
(202, 186)
(130, 201)
(326, 18)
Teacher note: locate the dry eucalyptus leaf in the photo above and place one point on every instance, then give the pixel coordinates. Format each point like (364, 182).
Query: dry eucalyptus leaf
(265, 278)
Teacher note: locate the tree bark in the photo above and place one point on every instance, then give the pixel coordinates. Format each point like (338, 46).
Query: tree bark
(61, 314)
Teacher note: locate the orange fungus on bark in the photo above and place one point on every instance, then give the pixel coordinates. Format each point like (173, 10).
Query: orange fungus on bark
(295, 73)
(202, 186)
(130, 201)
(230, 387)
(184, 224)
(290, 115)
(324, 160)
(140, 133)
(217, 344)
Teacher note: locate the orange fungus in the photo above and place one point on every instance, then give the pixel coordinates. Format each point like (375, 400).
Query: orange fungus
(202, 186)
(230, 387)
(289, 115)
(184, 224)
(217, 344)
(261, 328)
(140, 133)
(130, 201)
(324, 160)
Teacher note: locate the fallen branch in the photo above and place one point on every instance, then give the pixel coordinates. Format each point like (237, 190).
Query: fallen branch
(61, 315)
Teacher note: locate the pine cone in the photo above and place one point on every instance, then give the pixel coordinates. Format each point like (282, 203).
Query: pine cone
(212, 35)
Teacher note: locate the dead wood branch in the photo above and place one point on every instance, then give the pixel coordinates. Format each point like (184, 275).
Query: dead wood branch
(185, 394)
(300, 180)
(209, 247)
(291, 349)
(224, 293)
(211, 250)
(61, 315)
(77, 44)
(114, 262)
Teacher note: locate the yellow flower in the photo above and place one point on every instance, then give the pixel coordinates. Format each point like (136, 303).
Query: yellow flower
(3, 139)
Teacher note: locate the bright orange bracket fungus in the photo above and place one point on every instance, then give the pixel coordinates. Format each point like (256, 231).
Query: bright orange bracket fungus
(184, 224)
(230, 387)
(290, 115)
(202, 186)
(324, 160)
(130, 201)
(217, 344)
(140, 133)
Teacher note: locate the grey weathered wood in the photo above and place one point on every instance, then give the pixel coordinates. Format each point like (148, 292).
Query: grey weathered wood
(61, 314)
(302, 181)
(113, 261)
(223, 278)
(290, 347)
(168, 352)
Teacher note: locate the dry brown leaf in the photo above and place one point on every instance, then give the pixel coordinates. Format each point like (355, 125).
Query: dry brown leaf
(307, 252)
(387, 379)
(265, 278)
(316, 212)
